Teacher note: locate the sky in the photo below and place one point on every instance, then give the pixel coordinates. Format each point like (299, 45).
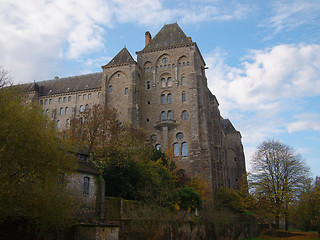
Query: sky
(263, 57)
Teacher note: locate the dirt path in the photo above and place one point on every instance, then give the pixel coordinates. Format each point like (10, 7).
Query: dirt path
(299, 235)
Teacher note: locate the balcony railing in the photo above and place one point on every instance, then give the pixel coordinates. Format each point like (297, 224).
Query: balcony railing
(170, 123)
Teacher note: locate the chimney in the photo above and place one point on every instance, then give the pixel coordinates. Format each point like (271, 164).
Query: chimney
(148, 38)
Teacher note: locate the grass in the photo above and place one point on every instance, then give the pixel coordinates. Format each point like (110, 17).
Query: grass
(283, 235)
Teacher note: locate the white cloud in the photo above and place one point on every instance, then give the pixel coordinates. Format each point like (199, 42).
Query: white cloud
(266, 77)
(305, 121)
(292, 14)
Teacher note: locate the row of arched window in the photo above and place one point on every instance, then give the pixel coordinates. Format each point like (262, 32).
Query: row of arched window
(164, 66)
(167, 98)
(180, 147)
(126, 90)
(59, 123)
(169, 115)
(166, 82)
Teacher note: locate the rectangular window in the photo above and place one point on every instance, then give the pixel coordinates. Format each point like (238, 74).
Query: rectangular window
(86, 186)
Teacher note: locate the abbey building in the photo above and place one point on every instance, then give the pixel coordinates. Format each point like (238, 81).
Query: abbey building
(165, 92)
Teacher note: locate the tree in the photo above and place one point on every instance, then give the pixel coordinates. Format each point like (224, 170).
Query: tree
(32, 161)
(278, 177)
(4, 77)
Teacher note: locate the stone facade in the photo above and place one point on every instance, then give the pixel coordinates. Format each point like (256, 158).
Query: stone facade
(165, 92)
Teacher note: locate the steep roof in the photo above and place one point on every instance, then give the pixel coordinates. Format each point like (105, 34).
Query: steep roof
(170, 35)
(123, 57)
(65, 85)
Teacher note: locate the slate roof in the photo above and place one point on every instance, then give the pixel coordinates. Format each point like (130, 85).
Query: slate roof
(65, 85)
(169, 36)
(123, 57)
(227, 126)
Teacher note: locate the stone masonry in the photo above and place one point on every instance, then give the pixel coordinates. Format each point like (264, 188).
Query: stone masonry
(165, 92)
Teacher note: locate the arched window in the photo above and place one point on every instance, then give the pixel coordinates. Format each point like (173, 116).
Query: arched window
(58, 124)
(86, 120)
(169, 98)
(176, 149)
(180, 136)
(184, 115)
(148, 85)
(86, 186)
(154, 138)
(61, 110)
(184, 149)
(158, 147)
(67, 122)
(87, 107)
(81, 108)
(163, 82)
(183, 80)
(59, 100)
(170, 115)
(69, 99)
(110, 89)
(184, 97)
(66, 110)
(89, 96)
(47, 112)
(169, 82)
(163, 116)
(163, 98)
(126, 91)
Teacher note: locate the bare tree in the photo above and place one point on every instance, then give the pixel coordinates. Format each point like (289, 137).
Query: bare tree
(279, 175)
(4, 77)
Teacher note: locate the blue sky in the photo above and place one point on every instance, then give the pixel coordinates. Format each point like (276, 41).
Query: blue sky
(263, 56)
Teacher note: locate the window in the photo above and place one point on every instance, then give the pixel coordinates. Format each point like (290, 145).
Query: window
(50, 101)
(67, 122)
(184, 115)
(176, 149)
(89, 96)
(81, 108)
(58, 124)
(41, 102)
(184, 149)
(59, 100)
(84, 96)
(69, 99)
(46, 102)
(66, 110)
(118, 75)
(79, 97)
(158, 147)
(86, 120)
(99, 94)
(163, 82)
(169, 82)
(169, 98)
(61, 110)
(163, 116)
(180, 136)
(163, 98)
(170, 115)
(165, 60)
(86, 186)
(148, 85)
(64, 99)
(184, 97)
(154, 138)
(183, 80)
(126, 91)
(110, 89)
(87, 107)
(47, 112)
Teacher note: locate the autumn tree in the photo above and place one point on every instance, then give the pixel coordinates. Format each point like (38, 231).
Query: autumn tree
(32, 161)
(278, 177)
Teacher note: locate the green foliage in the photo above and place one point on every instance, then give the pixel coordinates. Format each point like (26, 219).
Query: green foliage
(229, 199)
(32, 160)
(189, 199)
